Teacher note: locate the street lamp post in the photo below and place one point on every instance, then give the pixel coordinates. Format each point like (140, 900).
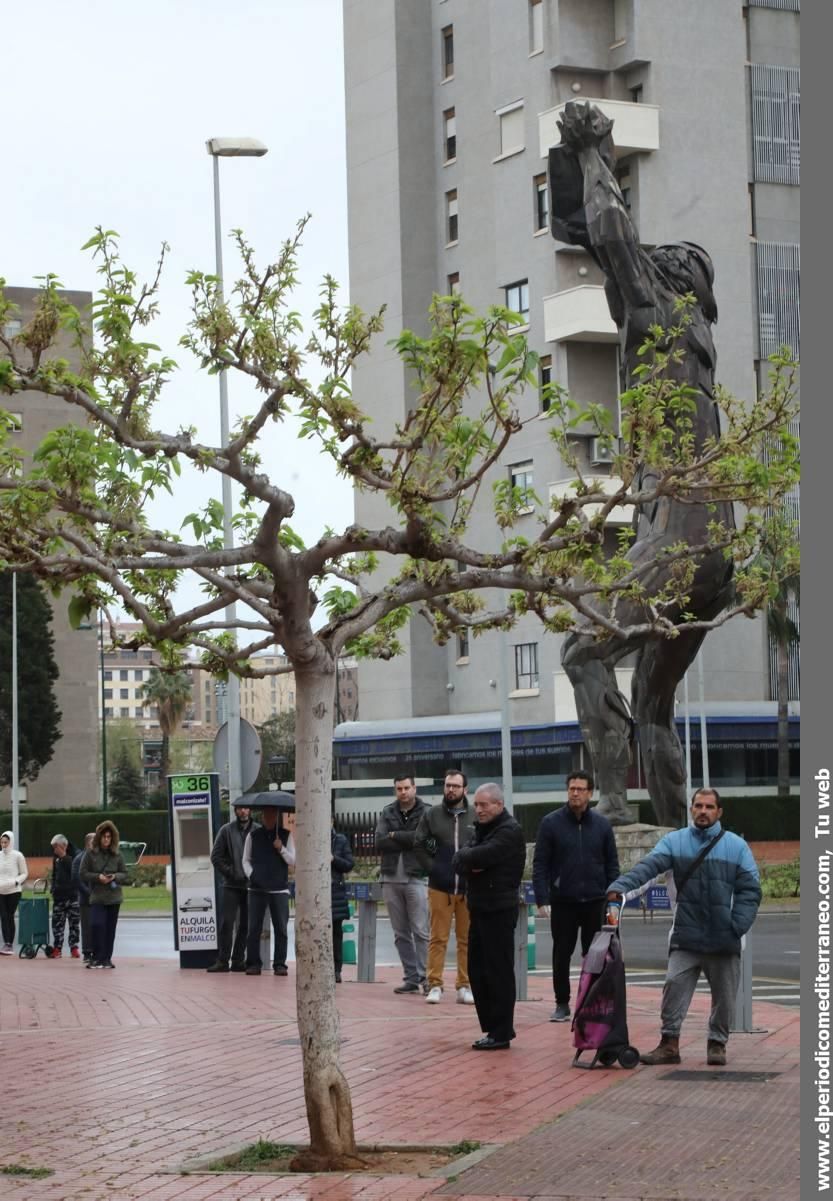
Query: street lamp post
(229, 148)
(15, 724)
(103, 711)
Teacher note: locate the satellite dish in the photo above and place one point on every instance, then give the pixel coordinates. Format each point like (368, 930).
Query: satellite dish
(250, 754)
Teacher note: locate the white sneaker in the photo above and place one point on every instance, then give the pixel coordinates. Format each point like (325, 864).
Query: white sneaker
(7, 949)
(465, 996)
(435, 995)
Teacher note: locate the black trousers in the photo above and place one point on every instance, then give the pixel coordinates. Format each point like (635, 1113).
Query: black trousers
(234, 926)
(8, 907)
(567, 919)
(492, 970)
(338, 943)
(278, 904)
(103, 919)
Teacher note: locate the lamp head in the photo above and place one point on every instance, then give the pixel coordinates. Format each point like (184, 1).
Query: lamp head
(236, 148)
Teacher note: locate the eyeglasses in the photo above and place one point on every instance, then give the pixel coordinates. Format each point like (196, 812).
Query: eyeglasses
(577, 789)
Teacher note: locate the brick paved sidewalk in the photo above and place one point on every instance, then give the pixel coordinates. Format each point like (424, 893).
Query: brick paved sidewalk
(117, 1080)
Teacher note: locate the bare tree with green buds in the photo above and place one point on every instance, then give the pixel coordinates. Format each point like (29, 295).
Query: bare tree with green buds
(75, 516)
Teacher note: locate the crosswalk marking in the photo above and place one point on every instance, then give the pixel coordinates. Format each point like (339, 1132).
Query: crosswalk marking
(780, 992)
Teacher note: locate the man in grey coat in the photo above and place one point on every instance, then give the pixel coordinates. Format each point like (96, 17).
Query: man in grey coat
(404, 888)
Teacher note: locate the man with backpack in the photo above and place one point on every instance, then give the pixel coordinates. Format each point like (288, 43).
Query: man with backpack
(718, 894)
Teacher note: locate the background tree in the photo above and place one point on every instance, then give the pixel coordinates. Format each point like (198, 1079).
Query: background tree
(126, 787)
(169, 692)
(78, 518)
(39, 718)
(277, 737)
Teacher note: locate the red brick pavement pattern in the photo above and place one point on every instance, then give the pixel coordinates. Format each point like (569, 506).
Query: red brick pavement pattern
(159, 1067)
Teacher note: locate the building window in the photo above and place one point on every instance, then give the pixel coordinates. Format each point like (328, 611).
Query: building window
(139, 674)
(637, 93)
(463, 644)
(451, 221)
(123, 673)
(448, 52)
(793, 6)
(511, 129)
(449, 135)
(541, 193)
(107, 711)
(776, 131)
(544, 381)
(778, 271)
(516, 298)
(623, 178)
(108, 675)
(526, 665)
(536, 26)
(14, 422)
(108, 694)
(520, 476)
(124, 694)
(453, 282)
(124, 712)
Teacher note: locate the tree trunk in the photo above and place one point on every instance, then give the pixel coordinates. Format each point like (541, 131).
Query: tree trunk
(164, 760)
(783, 669)
(327, 1095)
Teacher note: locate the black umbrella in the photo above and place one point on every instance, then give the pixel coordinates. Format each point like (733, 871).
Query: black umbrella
(273, 799)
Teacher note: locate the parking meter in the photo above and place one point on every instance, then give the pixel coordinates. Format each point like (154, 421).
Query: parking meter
(194, 815)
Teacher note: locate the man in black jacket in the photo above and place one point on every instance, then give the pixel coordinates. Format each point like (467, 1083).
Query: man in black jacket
(404, 869)
(227, 858)
(268, 854)
(575, 853)
(493, 865)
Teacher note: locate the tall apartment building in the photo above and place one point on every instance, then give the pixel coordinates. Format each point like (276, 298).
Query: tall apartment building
(71, 778)
(451, 109)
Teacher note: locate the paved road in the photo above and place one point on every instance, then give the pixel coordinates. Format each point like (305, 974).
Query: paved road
(774, 944)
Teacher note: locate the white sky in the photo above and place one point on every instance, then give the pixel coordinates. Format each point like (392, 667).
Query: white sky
(107, 110)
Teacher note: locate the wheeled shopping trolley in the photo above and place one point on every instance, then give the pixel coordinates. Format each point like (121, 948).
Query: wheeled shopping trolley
(33, 922)
(600, 1023)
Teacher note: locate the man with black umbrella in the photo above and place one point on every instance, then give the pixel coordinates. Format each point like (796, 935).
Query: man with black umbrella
(227, 858)
(268, 853)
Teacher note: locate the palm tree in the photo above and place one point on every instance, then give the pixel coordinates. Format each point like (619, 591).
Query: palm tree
(784, 633)
(170, 692)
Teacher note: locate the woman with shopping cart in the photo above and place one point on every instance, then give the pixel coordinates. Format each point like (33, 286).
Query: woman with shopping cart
(104, 871)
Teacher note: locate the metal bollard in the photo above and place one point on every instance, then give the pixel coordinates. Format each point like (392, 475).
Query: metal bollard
(521, 936)
(743, 1004)
(348, 945)
(368, 897)
(531, 946)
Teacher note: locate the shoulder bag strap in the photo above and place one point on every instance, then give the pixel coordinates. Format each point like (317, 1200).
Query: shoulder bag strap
(707, 849)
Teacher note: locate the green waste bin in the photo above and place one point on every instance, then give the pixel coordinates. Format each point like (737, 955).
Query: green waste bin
(33, 922)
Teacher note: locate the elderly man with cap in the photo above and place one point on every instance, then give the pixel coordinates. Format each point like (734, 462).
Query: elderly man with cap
(227, 858)
(268, 854)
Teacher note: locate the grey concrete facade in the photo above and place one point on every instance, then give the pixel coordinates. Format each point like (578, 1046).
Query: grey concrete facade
(72, 777)
(683, 65)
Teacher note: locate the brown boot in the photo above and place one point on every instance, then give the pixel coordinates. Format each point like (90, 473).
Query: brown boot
(715, 1054)
(668, 1051)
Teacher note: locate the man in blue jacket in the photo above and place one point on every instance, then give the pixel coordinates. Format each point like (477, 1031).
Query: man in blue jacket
(717, 902)
(575, 854)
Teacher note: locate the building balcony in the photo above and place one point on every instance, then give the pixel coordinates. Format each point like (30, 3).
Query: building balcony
(619, 515)
(635, 126)
(579, 315)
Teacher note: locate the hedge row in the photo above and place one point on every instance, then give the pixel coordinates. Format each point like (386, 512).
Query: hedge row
(37, 829)
(756, 818)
